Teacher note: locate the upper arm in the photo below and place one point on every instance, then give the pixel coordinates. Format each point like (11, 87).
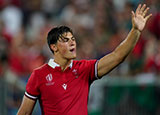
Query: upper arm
(107, 63)
(27, 106)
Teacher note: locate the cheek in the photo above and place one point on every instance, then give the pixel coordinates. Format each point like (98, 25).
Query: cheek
(63, 49)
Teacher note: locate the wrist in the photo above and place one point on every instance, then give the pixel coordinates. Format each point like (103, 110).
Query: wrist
(136, 29)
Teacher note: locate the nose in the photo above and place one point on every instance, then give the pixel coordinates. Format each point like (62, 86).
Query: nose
(72, 42)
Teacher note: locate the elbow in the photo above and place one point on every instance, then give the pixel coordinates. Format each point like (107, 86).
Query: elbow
(23, 113)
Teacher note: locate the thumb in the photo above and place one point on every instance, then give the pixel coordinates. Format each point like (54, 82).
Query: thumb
(133, 17)
(133, 14)
(147, 17)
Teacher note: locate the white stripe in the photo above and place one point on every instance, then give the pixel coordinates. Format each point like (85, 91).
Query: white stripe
(96, 74)
(33, 97)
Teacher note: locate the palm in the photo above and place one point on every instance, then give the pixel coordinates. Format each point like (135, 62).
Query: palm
(138, 18)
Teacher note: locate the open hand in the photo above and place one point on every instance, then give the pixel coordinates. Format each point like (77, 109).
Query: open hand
(139, 18)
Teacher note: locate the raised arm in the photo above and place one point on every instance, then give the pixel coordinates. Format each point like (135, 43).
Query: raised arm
(110, 61)
(27, 106)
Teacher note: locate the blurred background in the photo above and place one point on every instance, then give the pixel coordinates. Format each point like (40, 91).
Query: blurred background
(99, 26)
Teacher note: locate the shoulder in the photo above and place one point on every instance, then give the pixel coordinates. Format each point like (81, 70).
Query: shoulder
(38, 72)
(78, 62)
(83, 62)
(41, 69)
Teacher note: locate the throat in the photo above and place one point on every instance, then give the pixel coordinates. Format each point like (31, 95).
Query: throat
(64, 68)
(64, 64)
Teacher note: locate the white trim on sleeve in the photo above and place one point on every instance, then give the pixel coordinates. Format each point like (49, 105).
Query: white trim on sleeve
(30, 96)
(96, 71)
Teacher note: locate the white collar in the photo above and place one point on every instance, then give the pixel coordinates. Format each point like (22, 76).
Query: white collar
(53, 64)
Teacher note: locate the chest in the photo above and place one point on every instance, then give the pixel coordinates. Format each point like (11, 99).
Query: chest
(56, 86)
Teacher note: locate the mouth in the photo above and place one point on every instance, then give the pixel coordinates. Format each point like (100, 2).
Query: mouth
(72, 50)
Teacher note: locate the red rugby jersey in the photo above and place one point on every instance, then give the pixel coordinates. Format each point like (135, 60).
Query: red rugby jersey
(62, 92)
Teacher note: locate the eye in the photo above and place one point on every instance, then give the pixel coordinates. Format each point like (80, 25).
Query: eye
(65, 39)
(73, 39)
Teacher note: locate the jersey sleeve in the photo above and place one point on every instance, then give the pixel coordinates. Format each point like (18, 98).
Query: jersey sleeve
(32, 90)
(91, 67)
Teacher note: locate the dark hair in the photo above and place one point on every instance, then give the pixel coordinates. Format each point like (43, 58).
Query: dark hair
(55, 33)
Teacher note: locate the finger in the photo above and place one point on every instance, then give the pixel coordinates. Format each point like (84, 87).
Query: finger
(145, 11)
(142, 8)
(147, 17)
(133, 14)
(138, 9)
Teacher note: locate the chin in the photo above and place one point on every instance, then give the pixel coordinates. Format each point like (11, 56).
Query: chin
(73, 57)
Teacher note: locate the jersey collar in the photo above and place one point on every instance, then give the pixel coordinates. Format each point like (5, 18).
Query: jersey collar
(53, 64)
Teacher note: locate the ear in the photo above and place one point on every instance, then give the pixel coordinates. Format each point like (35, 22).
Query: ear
(54, 47)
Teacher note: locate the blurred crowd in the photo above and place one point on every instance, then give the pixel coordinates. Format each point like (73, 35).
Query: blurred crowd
(98, 25)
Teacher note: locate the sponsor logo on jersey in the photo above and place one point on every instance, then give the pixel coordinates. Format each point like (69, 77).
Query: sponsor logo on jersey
(64, 86)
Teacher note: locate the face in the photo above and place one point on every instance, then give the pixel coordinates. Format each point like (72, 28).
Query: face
(66, 46)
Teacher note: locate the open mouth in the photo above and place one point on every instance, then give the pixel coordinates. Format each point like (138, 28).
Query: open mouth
(72, 50)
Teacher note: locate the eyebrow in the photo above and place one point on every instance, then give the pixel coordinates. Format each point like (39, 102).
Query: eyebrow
(66, 37)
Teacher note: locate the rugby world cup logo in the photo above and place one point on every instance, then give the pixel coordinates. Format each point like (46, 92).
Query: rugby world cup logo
(49, 78)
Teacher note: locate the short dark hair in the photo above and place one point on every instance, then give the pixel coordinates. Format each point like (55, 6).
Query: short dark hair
(55, 33)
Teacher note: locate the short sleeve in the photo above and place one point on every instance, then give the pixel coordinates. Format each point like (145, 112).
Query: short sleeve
(91, 67)
(32, 90)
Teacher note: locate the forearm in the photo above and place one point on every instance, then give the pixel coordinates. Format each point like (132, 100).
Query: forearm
(26, 107)
(128, 44)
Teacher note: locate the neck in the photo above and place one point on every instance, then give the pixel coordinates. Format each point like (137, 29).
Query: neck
(64, 63)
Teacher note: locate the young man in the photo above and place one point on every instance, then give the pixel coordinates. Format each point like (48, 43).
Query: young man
(62, 85)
